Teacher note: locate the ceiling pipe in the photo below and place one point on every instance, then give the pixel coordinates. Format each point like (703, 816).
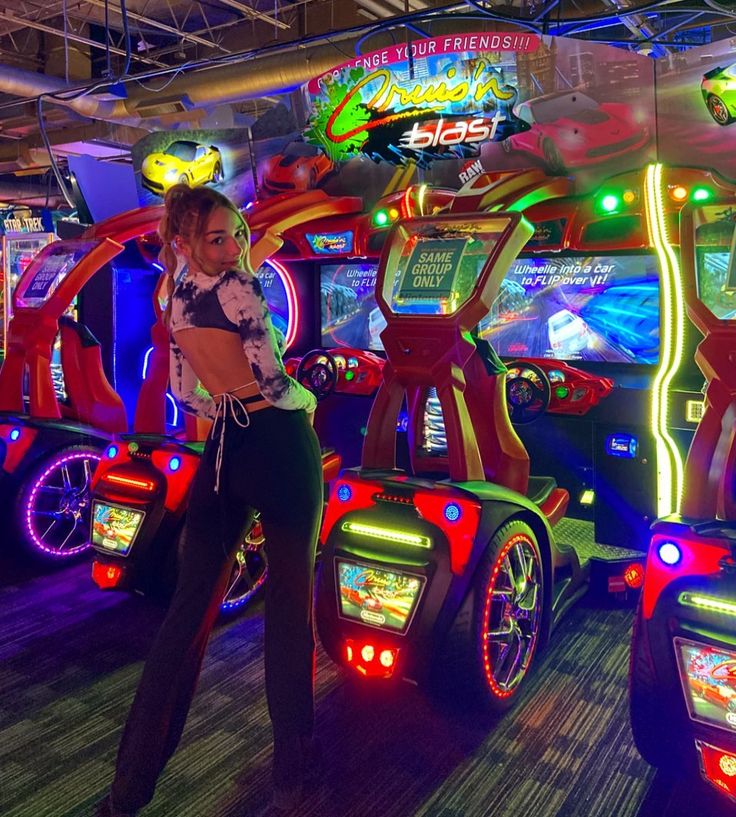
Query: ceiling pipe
(189, 96)
(29, 194)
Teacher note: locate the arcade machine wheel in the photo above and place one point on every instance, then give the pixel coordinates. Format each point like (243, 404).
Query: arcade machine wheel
(648, 719)
(249, 571)
(492, 644)
(52, 514)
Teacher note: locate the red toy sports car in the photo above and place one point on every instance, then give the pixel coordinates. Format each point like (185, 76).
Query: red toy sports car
(569, 129)
(299, 168)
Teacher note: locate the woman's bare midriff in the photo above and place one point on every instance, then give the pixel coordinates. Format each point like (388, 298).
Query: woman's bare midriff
(218, 360)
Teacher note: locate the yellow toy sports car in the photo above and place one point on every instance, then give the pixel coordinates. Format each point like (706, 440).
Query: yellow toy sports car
(182, 162)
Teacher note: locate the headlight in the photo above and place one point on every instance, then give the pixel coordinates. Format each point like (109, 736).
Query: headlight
(172, 174)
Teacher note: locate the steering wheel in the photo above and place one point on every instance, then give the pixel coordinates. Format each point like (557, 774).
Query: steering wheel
(527, 397)
(318, 372)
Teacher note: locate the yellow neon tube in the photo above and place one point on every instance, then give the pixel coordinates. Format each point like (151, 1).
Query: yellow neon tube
(388, 534)
(671, 344)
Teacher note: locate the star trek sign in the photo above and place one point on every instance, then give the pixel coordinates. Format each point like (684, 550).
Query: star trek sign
(440, 99)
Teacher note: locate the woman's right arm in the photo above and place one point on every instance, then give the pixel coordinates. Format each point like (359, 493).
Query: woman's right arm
(242, 301)
(186, 387)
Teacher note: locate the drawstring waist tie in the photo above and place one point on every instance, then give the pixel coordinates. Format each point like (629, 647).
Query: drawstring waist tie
(227, 405)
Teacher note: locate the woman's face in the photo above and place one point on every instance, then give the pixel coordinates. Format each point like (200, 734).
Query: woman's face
(224, 244)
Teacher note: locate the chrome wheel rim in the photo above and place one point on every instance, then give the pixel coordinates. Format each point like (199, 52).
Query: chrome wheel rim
(56, 512)
(718, 109)
(512, 615)
(248, 573)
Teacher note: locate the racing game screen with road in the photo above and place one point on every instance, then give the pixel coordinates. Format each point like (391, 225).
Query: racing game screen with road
(350, 315)
(115, 527)
(381, 598)
(717, 281)
(599, 308)
(708, 677)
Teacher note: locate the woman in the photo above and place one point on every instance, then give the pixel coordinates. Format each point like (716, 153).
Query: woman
(262, 454)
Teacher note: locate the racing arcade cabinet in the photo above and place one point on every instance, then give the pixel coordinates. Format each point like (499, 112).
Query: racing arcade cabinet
(420, 571)
(683, 664)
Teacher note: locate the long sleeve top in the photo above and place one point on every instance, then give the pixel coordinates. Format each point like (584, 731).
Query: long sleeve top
(234, 302)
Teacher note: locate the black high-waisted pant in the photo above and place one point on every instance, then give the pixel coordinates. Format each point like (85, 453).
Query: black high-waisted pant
(273, 466)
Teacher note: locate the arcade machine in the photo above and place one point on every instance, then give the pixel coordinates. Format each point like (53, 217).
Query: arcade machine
(452, 567)
(592, 303)
(374, 593)
(18, 249)
(50, 444)
(682, 680)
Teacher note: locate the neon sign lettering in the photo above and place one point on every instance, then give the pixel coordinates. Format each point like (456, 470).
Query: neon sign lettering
(426, 135)
(431, 96)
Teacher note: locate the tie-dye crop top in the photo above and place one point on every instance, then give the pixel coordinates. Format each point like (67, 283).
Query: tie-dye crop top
(234, 302)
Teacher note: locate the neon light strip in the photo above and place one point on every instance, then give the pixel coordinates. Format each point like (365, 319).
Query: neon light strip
(669, 460)
(175, 420)
(131, 482)
(146, 358)
(406, 201)
(388, 534)
(708, 603)
(291, 301)
(420, 198)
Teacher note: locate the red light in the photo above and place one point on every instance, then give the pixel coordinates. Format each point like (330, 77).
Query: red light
(634, 575)
(718, 767)
(362, 497)
(460, 532)
(106, 576)
(147, 485)
(387, 658)
(371, 661)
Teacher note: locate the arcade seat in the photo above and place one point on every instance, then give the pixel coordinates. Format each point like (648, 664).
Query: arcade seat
(91, 398)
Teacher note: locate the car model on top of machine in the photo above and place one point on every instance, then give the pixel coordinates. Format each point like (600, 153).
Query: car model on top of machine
(182, 162)
(300, 167)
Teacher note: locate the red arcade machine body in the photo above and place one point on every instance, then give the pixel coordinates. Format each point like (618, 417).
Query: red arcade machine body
(418, 567)
(50, 447)
(683, 661)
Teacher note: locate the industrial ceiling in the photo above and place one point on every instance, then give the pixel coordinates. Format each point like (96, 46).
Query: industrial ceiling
(94, 76)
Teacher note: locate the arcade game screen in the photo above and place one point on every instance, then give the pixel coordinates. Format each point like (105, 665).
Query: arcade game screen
(599, 308)
(708, 677)
(114, 527)
(381, 598)
(717, 281)
(350, 315)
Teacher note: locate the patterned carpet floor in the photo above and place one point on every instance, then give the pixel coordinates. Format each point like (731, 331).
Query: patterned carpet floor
(70, 657)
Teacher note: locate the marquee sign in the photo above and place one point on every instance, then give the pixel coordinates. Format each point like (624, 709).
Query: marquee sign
(437, 98)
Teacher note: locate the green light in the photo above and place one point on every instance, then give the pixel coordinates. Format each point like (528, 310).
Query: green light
(610, 203)
(380, 218)
(388, 534)
(587, 497)
(708, 603)
(562, 392)
(349, 375)
(702, 194)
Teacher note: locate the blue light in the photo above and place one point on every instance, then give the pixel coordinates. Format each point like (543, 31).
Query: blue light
(112, 452)
(669, 553)
(14, 434)
(452, 512)
(344, 493)
(174, 463)
(622, 445)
